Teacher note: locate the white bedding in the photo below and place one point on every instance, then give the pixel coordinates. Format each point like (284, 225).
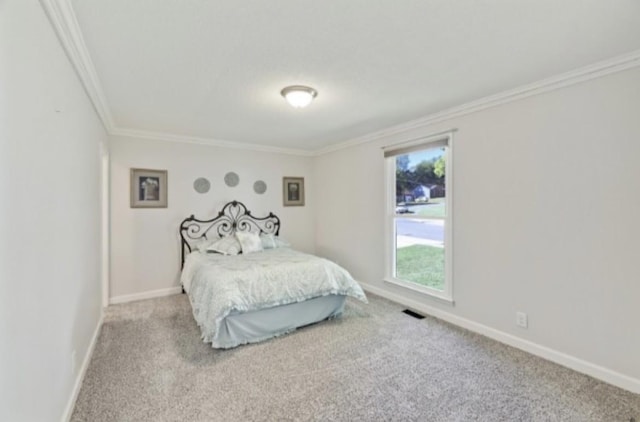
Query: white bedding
(218, 285)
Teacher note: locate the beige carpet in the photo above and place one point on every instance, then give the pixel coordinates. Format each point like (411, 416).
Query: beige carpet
(373, 364)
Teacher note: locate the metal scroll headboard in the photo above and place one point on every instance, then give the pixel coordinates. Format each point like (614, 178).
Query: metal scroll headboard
(233, 217)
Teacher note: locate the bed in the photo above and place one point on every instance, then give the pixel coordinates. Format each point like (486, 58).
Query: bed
(263, 291)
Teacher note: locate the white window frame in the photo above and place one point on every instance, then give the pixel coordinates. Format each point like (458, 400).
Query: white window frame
(446, 295)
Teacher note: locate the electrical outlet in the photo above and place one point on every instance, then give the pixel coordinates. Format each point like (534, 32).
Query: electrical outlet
(73, 362)
(521, 320)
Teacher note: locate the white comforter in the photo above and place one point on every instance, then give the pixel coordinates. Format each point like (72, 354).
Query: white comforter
(218, 285)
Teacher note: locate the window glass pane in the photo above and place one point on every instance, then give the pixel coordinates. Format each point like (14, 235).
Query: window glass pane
(421, 214)
(421, 182)
(420, 252)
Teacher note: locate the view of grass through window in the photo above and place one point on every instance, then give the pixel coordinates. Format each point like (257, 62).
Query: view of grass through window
(420, 217)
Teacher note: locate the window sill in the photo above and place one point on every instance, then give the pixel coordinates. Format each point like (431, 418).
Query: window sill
(439, 296)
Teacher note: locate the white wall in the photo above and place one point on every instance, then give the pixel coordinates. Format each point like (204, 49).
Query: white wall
(546, 218)
(145, 250)
(49, 217)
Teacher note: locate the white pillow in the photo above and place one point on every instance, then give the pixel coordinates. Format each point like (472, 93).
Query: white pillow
(280, 242)
(250, 242)
(268, 241)
(202, 244)
(228, 245)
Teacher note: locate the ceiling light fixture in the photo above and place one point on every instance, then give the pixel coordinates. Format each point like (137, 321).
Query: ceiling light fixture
(299, 96)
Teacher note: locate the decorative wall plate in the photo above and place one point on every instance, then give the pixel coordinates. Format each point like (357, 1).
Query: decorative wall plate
(259, 187)
(231, 179)
(202, 185)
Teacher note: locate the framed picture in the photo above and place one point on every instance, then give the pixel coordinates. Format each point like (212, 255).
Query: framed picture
(293, 191)
(148, 188)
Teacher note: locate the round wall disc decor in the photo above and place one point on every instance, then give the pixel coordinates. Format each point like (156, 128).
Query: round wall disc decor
(201, 185)
(231, 179)
(260, 187)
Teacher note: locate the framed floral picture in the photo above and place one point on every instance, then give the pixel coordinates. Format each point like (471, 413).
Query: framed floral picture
(148, 188)
(293, 191)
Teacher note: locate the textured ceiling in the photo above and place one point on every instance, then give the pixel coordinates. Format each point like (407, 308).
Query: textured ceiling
(214, 69)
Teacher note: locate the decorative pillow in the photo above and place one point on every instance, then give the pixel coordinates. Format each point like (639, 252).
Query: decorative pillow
(250, 242)
(268, 241)
(280, 242)
(202, 244)
(228, 245)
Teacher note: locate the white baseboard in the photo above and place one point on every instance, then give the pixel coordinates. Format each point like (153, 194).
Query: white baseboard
(145, 295)
(68, 411)
(579, 365)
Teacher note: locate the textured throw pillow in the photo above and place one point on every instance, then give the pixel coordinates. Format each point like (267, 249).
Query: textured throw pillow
(280, 242)
(201, 245)
(250, 242)
(228, 245)
(268, 241)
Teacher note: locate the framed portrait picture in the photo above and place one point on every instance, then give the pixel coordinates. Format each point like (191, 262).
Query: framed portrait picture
(148, 188)
(293, 191)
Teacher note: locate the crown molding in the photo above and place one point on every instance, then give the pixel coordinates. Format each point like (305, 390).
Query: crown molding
(65, 24)
(593, 71)
(170, 137)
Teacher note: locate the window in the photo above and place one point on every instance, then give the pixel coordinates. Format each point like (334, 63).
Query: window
(419, 176)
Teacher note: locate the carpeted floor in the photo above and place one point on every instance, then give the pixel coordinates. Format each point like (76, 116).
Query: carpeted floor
(373, 364)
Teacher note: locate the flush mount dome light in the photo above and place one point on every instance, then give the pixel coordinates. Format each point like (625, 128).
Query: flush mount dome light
(299, 96)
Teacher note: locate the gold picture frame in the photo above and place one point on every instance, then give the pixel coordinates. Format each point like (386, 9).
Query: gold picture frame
(148, 188)
(293, 191)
